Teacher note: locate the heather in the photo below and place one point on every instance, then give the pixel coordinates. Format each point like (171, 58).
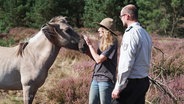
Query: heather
(167, 67)
(167, 56)
(69, 78)
(166, 74)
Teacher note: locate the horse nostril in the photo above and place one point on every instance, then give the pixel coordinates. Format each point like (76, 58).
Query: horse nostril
(72, 41)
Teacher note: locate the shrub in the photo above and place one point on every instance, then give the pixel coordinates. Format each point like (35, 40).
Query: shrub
(9, 42)
(71, 91)
(167, 69)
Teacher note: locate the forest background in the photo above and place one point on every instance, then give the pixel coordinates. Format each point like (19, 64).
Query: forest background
(69, 78)
(159, 16)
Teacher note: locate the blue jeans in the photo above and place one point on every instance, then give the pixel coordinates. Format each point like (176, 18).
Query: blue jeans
(100, 92)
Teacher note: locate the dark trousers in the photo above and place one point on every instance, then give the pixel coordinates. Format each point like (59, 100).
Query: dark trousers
(134, 93)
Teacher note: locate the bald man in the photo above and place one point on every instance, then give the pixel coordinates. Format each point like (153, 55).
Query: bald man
(134, 61)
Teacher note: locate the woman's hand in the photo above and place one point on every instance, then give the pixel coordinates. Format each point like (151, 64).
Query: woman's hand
(88, 41)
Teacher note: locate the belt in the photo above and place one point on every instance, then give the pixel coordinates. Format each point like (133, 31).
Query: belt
(138, 79)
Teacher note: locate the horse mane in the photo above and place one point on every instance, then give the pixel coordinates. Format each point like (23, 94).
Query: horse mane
(21, 48)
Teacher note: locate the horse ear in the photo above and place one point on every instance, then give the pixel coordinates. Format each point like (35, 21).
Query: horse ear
(65, 19)
(53, 28)
(49, 29)
(52, 25)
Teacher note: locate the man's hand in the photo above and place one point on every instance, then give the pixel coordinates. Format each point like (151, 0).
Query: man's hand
(115, 94)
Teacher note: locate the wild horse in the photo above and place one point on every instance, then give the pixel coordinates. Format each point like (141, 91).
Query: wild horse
(25, 66)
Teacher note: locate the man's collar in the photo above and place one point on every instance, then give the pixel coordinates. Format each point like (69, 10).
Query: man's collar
(135, 23)
(131, 26)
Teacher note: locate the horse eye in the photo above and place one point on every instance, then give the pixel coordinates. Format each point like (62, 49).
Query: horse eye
(68, 30)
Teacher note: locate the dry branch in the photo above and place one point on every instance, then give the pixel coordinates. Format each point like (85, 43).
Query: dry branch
(164, 88)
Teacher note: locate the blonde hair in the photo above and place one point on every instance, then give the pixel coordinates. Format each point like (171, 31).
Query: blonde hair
(106, 40)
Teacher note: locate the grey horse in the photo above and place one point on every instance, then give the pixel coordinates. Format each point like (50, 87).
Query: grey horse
(25, 66)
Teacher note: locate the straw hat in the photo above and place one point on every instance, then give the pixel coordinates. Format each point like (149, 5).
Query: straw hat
(108, 24)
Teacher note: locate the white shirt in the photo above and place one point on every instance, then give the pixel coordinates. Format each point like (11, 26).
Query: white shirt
(135, 55)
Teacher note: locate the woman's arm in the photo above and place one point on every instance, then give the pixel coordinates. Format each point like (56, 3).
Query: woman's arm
(96, 57)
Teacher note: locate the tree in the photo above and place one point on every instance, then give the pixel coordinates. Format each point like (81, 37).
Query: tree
(96, 10)
(73, 9)
(40, 12)
(12, 13)
(34, 13)
(150, 14)
(175, 10)
(162, 16)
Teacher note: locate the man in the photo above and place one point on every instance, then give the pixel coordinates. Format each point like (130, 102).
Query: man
(134, 61)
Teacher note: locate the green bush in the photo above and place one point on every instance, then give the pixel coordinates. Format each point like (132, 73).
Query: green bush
(7, 43)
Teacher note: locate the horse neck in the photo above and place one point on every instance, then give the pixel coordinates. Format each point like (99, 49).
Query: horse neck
(42, 49)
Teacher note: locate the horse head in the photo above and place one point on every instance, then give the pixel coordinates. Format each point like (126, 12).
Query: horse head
(61, 34)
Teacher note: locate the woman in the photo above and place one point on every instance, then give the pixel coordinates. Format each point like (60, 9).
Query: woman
(104, 74)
